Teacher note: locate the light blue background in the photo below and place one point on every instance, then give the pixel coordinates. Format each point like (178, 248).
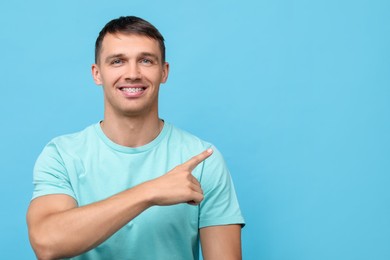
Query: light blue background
(296, 94)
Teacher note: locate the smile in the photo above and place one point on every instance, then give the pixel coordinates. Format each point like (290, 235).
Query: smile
(132, 90)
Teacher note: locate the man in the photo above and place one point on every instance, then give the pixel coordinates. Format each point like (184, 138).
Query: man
(132, 186)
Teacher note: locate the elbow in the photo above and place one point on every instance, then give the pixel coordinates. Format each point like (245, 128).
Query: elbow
(42, 252)
(50, 246)
(43, 249)
(41, 255)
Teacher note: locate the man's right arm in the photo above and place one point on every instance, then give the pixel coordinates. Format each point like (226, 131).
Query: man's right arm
(59, 228)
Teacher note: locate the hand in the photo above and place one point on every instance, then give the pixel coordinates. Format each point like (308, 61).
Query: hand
(179, 185)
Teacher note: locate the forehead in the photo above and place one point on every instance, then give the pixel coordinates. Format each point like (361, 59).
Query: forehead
(129, 44)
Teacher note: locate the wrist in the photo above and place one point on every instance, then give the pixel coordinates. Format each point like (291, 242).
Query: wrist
(147, 192)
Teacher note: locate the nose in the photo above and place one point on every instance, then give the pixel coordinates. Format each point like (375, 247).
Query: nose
(133, 71)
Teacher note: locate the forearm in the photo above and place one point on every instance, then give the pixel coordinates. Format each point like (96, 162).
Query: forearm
(74, 231)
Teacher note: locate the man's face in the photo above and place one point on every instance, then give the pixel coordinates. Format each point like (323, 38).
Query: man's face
(131, 71)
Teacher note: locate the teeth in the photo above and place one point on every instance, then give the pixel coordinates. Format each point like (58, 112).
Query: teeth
(132, 90)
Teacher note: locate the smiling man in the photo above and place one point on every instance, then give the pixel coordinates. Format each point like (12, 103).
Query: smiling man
(132, 186)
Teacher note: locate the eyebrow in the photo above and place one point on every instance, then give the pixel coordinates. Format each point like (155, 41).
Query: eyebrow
(113, 56)
(148, 54)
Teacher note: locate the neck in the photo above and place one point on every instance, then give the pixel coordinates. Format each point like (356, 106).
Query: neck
(132, 132)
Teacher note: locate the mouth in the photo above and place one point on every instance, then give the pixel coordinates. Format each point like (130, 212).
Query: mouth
(132, 91)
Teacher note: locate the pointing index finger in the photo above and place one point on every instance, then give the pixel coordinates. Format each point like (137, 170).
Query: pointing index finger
(194, 161)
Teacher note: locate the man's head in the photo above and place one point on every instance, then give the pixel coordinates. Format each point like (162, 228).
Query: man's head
(130, 65)
(129, 25)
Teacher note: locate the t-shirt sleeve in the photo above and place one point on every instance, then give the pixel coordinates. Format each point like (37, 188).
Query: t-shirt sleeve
(220, 205)
(50, 175)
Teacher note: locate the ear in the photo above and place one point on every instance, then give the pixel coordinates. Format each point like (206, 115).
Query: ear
(165, 72)
(96, 74)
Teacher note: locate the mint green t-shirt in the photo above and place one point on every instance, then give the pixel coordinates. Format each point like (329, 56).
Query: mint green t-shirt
(89, 167)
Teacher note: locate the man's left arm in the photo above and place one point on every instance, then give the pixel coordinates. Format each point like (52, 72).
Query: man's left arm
(221, 242)
(220, 218)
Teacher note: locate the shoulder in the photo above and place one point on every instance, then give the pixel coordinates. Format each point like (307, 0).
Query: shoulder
(76, 136)
(189, 144)
(76, 139)
(185, 139)
(70, 143)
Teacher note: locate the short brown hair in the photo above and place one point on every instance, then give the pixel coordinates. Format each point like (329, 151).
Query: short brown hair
(129, 25)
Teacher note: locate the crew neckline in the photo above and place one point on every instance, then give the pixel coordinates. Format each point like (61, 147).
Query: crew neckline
(132, 150)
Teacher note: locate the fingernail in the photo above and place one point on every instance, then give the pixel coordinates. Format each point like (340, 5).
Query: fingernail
(209, 150)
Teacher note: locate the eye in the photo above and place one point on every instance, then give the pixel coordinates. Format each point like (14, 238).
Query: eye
(116, 62)
(146, 61)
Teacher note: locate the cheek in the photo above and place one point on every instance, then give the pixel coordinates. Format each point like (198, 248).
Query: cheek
(156, 76)
(111, 77)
